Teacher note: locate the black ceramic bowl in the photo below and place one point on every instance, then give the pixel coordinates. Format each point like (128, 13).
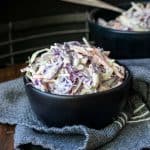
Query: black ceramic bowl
(122, 44)
(93, 110)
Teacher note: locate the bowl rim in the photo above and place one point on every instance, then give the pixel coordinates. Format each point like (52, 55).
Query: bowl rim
(127, 80)
(91, 19)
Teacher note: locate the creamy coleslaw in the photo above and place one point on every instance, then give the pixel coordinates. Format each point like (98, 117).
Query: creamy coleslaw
(73, 68)
(136, 18)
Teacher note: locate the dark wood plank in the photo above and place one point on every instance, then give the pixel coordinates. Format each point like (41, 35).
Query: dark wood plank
(7, 131)
(6, 137)
(11, 72)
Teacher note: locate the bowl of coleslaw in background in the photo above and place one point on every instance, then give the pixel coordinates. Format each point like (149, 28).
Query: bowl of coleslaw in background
(126, 35)
(76, 84)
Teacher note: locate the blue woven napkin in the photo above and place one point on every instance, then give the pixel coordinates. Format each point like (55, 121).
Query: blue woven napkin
(130, 130)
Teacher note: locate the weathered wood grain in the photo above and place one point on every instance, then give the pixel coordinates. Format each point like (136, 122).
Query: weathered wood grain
(7, 131)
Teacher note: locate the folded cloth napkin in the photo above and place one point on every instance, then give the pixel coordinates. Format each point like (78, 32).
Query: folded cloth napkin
(130, 130)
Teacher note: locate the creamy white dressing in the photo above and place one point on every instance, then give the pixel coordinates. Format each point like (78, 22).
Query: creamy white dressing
(136, 18)
(73, 68)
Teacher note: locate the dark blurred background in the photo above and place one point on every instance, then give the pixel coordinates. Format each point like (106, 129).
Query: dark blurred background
(28, 25)
(24, 9)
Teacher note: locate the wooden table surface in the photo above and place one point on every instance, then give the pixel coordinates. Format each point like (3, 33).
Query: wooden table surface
(7, 131)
